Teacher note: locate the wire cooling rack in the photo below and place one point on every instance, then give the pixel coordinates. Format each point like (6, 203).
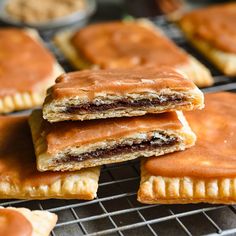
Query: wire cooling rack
(116, 211)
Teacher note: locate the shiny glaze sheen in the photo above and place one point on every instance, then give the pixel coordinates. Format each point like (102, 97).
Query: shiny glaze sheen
(89, 83)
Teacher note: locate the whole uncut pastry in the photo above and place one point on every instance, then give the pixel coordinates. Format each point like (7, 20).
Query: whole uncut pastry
(212, 31)
(126, 44)
(203, 173)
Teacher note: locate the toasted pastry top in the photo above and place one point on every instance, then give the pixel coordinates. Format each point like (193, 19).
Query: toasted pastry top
(24, 62)
(90, 83)
(214, 24)
(214, 154)
(14, 223)
(24, 222)
(126, 44)
(61, 135)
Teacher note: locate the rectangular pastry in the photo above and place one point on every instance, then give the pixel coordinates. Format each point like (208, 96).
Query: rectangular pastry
(19, 177)
(125, 44)
(24, 222)
(96, 94)
(27, 69)
(212, 31)
(203, 173)
(80, 144)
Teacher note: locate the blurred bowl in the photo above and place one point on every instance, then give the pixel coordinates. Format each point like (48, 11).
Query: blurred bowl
(79, 17)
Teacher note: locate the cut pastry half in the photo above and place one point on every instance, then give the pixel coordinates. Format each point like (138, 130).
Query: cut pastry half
(19, 177)
(203, 173)
(27, 69)
(22, 221)
(126, 44)
(212, 31)
(98, 94)
(81, 144)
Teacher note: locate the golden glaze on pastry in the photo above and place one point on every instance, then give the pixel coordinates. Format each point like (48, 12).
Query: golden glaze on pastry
(23, 62)
(214, 155)
(211, 30)
(88, 83)
(27, 69)
(125, 44)
(13, 223)
(215, 25)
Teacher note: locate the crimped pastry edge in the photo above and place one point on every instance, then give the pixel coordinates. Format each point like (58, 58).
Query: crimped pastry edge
(183, 190)
(25, 100)
(194, 69)
(77, 185)
(42, 221)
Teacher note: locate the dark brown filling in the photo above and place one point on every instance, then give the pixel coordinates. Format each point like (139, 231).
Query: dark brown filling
(91, 107)
(146, 145)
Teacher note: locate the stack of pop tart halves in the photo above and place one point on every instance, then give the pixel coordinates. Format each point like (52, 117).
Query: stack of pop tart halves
(96, 117)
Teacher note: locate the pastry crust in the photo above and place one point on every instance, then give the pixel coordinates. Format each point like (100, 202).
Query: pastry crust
(225, 61)
(166, 90)
(19, 177)
(47, 160)
(42, 221)
(167, 190)
(26, 100)
(194, 70)
(203, 173)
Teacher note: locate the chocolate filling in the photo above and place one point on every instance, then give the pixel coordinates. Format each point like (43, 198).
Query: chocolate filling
(91, 107)
(146, 145)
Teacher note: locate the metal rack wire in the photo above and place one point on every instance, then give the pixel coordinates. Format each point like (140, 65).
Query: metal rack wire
(116, 211)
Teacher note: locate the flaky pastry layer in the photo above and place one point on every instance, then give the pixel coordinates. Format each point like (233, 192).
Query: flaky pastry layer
(194, 70)
(55, 110)
(42, 221)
